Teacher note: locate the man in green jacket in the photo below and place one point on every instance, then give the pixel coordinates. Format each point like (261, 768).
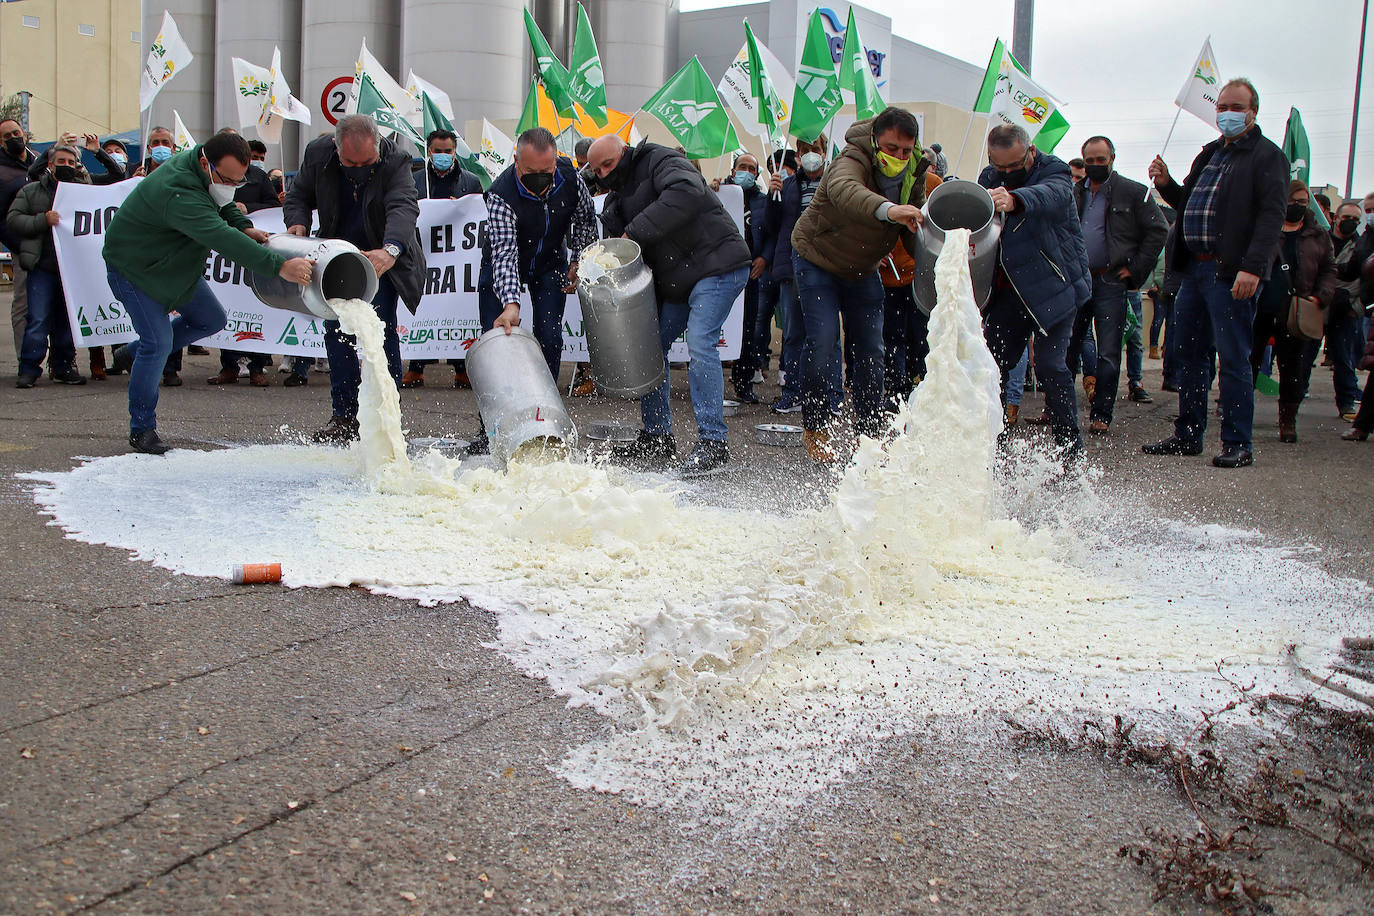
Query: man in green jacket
(155, 251)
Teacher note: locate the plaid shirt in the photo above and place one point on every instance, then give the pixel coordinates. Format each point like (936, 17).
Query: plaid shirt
(505, 245)
(1200, 215)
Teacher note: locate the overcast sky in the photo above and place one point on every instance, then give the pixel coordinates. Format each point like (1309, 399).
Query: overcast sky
(1118, 66)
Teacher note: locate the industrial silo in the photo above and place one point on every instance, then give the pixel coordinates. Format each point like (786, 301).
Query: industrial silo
(331, 33)
(638, 44)
(192, 91)
(475, 50)
(250, 29)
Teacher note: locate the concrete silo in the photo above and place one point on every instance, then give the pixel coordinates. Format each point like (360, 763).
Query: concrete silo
(250, 29)
(475, 50)
(331, 33)
(638, 44)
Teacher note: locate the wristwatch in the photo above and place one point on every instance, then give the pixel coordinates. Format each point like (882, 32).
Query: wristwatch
(392, 249)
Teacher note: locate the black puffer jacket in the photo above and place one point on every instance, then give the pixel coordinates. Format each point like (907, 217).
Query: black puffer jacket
(678, 221)
(388, 199)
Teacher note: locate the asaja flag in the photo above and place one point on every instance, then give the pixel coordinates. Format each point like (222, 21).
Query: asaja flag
(856, 75)
(1010, 95)
(754, 86)
(167, 57)
(529, 115)
(181, 137)
(1299, 154)
(436, 111)
(692, 111)
(371, 102)
(1199, 93)
(586, 80)
(498, 151)
(551, 72)
(817, 96)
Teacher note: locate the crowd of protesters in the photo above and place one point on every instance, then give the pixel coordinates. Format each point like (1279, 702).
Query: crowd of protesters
(1248, 272)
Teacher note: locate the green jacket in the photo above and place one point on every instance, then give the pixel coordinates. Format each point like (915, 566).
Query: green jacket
(161, 236)
(28, 219)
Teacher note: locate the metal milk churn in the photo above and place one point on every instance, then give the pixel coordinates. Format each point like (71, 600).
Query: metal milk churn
(341, 272)
(620, 310)
(516, 396)
(958, 205)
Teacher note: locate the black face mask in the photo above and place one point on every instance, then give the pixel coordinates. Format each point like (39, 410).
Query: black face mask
(1097, 173)
(358, 174)
(619, 177)
(1015, 178)
(15, 147)
(1348, 225)
(537, 183)
(1294, 213)
(64, 172)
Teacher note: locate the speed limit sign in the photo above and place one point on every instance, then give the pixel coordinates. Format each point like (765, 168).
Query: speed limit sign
(334, 99)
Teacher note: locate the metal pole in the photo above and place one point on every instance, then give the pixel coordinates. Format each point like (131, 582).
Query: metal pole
(1355, 113)
(1023, 31)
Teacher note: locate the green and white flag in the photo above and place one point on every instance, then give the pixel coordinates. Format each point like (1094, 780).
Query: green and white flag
(529, 115)
(436, 113)
(167, 56)
(498, 150)
(690, 108)
(1010, 95)
(557, 83)
(1199, 93)
(754, 86)
(371, 102)
(856, 75)
(264, 99)
(587, 81)
(1299, 153)
(817, 96)
(181, 137)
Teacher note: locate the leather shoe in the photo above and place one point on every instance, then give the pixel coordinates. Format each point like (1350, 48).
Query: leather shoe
(413, 379)
(228, 376)
(338, 431)
(171, 380)
(1042, 420)
(258, 379)
(25, 381)
(1172, 446)
(295, 381)
(1234, 456)
(1140, 395)
(147, 442)
(1098, 427)
(1355, 434)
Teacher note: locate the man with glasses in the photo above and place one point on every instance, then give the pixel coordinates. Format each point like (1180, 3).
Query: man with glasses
(1042, 272)
(155, 251)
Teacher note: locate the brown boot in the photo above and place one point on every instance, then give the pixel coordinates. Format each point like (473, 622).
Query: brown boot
(98, 363)
(1089, 387)
(818, 447)
(1013, 414)
(413, 379)
(228, 376)
(1288, 422)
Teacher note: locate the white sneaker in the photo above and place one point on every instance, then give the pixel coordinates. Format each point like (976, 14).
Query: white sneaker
(285, 367)
(757, 379)
(782, 378)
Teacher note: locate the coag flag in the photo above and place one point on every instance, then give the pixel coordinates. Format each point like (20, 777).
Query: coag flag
(554, 77)
(856, 75)
(690, 108)
(817, 96)
(586, 80)
(181, 137)
(383, 87)
(167, 57)
(1009, 94)
(1199, 93)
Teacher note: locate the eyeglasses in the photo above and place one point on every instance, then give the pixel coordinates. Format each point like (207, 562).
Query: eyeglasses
(238, 184)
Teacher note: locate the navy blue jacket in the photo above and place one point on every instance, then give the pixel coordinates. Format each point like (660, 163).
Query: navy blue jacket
(457, 183)
(783, 219)
(541, 224)
(1043, 254)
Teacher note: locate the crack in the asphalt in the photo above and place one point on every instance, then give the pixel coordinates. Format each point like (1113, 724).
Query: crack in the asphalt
(282, 815)
(168, 682)
(145, 804)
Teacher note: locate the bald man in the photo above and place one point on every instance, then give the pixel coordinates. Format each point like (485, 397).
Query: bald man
(701, 263)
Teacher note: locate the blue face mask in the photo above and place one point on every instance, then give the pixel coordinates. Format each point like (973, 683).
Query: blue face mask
(1231, 123)
(442, 161)
(745, 180)
(161, 153)
(120, 158)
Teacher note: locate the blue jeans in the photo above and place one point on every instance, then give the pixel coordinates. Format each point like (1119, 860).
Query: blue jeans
(47, 320)
(1342, 340)
(158, 337)
(547, 301)
(763, 323)
(1158, 314)
(1206, 317)
(794, 347)
(1008, 325)
(345, 373)
(1106, 314)
(1016, 379)
(826, 301)
(1135, 352)
(702, 316)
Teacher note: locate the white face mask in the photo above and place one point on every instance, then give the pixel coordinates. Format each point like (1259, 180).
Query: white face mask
(223, 194)
(812, 162)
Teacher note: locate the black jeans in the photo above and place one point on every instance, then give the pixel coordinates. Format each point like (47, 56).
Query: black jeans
(1288, 353)
(1007, 327)
(229, 359)
(900, 314)
(1365, 418)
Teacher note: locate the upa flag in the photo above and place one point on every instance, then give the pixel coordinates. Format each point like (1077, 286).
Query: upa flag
(856, 75)
(498, 151)
(754, 85)
(181, 137)
(1010, 95)
(1199, 93)
(692, 111)
(167, 57)
(551, 73)
(383, 86)
(587, 81)
(817, 96)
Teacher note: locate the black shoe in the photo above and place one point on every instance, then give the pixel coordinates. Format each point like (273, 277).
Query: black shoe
(648, 451)
(197, 350)
(25, 381)
(338, 431)
(1140, 395)
(171, 380)
(1234, 456)
(709, 457)
(480, 444)
(295, 381)
(1172, 446)
(70, 377)
(121, 359)
(147, 442)
(744, 393)
(1169, 386)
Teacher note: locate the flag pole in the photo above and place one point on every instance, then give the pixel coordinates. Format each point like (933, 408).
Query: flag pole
(968, 129)
(1150, 185)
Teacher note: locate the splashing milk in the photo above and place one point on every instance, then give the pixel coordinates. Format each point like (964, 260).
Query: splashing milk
(746, 660)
